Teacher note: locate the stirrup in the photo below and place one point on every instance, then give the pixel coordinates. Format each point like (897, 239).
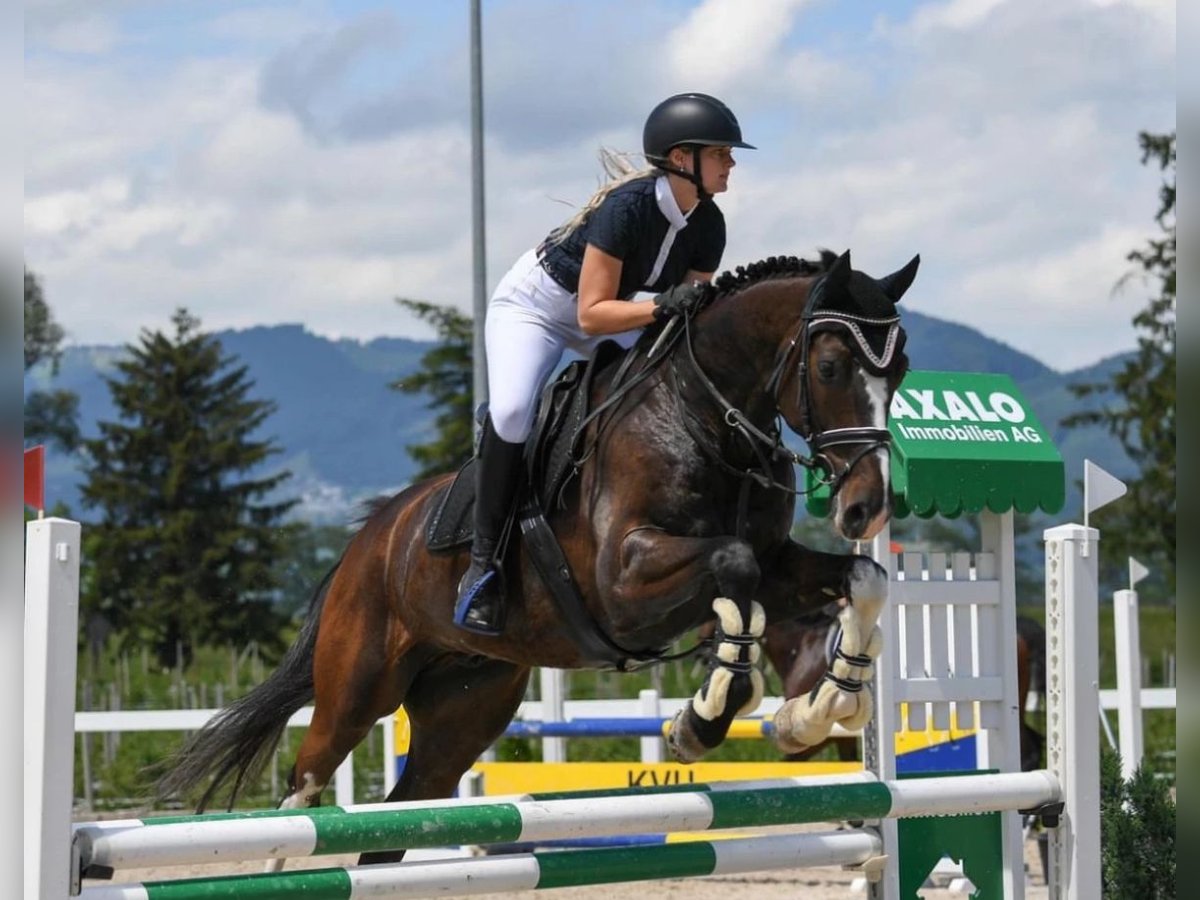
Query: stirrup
(472, 617)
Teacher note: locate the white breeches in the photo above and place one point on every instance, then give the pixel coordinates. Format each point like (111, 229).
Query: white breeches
(531, 322)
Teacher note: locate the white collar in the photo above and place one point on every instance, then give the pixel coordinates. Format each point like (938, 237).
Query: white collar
(667, 205)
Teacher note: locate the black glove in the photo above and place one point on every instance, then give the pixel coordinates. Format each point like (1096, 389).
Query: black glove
(683, 298)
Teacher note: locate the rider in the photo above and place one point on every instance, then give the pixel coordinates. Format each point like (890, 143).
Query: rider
(656, 229)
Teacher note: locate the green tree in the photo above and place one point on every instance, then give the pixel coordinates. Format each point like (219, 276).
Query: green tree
(1143, 416)
(309, 553)
(51, 416)
(446, 376)
(1137, 834)
(184, 552)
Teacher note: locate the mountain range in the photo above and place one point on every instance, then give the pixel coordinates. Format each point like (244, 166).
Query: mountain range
(343, 431)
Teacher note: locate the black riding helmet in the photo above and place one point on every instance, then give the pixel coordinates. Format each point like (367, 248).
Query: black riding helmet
(690, 120)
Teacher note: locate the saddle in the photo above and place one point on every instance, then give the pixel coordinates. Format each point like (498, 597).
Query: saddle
(551, 460)
(549, 453)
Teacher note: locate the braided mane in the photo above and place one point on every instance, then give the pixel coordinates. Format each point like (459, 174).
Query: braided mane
(772, 267)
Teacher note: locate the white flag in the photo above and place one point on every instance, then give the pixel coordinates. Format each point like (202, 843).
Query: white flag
(1099, 487)
(1136, 572)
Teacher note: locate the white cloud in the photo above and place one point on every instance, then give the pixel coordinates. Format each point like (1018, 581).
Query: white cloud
(70, 211)
(956, 14)
(269, 23)
(723, 43)
(1068, 283)
(303, 77)
(1162, 10)
(1065, 301)
(85, 35)
(997, 139)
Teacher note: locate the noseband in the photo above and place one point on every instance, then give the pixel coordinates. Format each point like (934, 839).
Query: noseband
(770, 446)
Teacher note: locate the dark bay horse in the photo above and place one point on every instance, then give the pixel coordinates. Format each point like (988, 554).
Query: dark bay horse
(682, 510)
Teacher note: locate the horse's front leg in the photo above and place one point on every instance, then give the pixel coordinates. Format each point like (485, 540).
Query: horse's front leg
(653, 565)
(796, 578)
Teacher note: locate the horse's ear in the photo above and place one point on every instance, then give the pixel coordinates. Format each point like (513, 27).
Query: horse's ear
(839, 272)
(897, 283)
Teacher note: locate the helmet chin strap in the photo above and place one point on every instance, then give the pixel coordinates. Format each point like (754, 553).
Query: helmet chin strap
(693, 176)
(697, 177)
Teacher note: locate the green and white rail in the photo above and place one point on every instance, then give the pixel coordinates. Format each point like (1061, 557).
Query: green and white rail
(526, 871)
(422, 826)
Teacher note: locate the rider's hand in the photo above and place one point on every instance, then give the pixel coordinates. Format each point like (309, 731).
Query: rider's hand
(682, 298)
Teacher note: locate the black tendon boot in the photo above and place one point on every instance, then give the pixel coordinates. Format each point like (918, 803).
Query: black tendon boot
(480, 606)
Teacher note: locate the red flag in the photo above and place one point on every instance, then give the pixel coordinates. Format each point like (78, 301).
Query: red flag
(35, 477)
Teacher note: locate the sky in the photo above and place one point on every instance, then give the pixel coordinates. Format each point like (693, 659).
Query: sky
(309, 161)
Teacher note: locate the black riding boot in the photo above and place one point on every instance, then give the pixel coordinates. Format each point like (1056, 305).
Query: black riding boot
(480, 605)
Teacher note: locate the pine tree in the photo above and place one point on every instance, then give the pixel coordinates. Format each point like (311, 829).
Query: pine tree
(1143, 420)
(49, 415)
(1137, 834)
(446, 376)
(184, 552)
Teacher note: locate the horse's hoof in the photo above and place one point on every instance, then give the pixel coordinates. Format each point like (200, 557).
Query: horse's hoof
(682, 740)
(795, 731)
(790, 748)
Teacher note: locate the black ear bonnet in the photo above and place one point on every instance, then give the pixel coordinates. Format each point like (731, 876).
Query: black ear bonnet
(857, 305)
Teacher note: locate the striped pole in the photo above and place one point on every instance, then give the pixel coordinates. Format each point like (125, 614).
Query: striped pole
(98, 828)
(533, 871)
(626, 726)
(312, 832)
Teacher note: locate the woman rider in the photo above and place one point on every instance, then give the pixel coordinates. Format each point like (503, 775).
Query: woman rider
(654, 230)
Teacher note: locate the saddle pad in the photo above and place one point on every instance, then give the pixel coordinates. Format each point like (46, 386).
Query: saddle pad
(549, 452)
(452, 521)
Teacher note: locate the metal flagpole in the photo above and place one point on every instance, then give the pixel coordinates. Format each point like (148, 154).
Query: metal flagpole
(479, 384)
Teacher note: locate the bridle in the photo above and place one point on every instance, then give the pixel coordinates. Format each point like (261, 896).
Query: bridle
(867, 438)
(768, 446)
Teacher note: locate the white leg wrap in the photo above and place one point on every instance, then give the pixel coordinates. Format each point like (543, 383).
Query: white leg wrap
(709, 701)
(806, 721)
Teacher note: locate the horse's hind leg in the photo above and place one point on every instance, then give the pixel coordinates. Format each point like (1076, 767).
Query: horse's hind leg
(353, 690)
(457, 708)
(359, 676)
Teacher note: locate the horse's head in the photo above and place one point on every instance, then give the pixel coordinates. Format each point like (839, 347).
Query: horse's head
(834, 383)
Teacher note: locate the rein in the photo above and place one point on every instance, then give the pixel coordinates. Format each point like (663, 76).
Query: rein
(619, 389)
(769, 446)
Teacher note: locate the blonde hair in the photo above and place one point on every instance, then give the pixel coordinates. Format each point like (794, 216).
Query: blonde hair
(618, 170)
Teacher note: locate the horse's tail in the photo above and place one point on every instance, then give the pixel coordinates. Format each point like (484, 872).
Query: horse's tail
(1034, 636)
(237, 743)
